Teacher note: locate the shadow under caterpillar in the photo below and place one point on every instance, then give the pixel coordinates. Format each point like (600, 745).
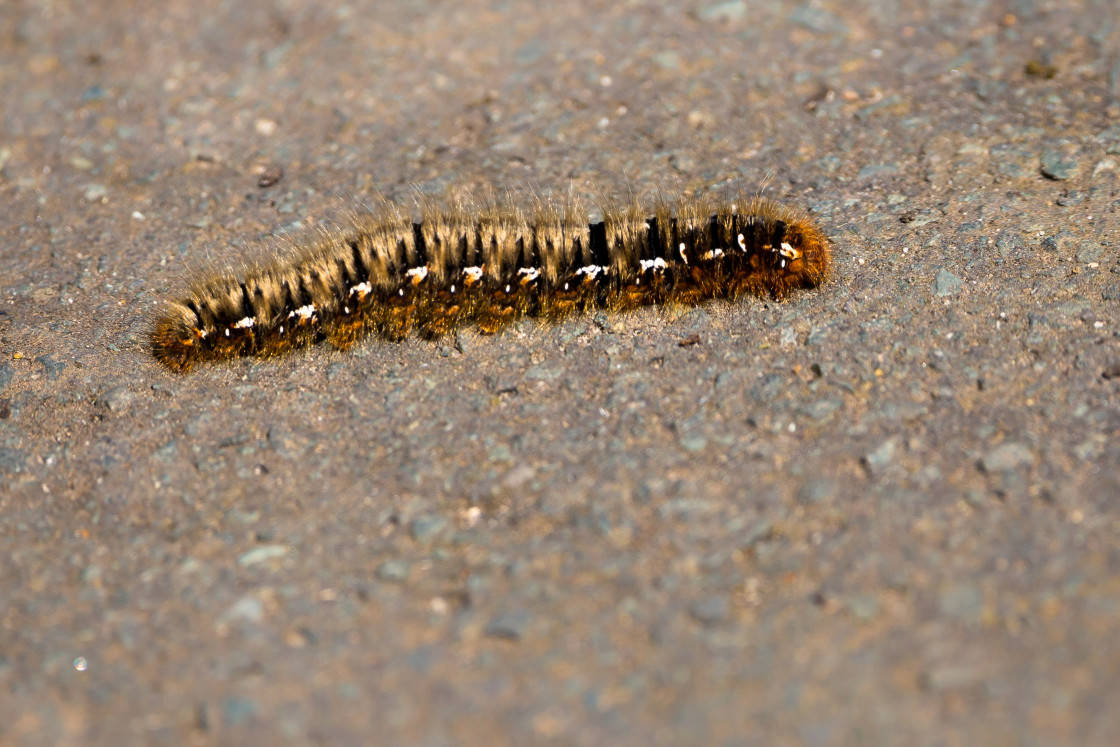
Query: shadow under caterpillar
(389, 275)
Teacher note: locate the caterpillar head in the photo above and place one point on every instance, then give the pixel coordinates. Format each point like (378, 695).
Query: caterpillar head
(796, 255)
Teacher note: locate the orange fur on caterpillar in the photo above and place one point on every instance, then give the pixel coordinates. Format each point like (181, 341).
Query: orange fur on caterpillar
(389, 275)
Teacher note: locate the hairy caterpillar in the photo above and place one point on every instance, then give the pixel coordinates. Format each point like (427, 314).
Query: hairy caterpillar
(390, 275)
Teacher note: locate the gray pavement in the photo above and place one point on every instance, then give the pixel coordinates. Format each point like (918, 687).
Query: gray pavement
(882, 512)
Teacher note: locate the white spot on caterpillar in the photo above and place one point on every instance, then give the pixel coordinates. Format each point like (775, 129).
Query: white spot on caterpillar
(400, 292)
(362, 289)
(507, 289)
(787, 250)
(417, 274)
(653, 264)
(783, 263)
(530, 274)
(281, 329)
(303, 312)
(681, 250)
(345, 309)
(713, 254)
(245, 323)
(742, 241)
(227, 333)
(565, 286)
(473, 274)
(452, 287)
(202, 334)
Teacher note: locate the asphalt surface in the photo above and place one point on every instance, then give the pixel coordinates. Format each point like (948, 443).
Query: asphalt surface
(882, 512)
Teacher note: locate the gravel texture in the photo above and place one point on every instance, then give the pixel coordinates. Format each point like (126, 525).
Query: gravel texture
(883, 512)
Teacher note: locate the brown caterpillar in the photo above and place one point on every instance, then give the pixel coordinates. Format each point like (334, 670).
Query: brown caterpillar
(389, 275)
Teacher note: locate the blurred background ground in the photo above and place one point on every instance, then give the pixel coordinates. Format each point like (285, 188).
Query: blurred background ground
(881, 512)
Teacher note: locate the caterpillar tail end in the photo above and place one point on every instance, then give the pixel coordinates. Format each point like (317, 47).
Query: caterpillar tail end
(174, 340)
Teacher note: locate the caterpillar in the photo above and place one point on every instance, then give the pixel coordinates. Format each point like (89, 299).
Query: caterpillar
(390, 274)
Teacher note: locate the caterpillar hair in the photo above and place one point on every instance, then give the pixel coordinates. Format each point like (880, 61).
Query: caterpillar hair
(389, 274)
